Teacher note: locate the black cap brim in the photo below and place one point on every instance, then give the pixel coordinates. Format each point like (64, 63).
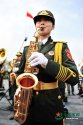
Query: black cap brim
(36, 18)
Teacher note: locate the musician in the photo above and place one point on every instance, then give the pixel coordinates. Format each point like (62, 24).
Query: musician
(47, 107)
(80, 86)
(18, 59)
(2, 70)
(1, 76)
(10, 70)
(15, 69)
(14, 87)
(12, 81)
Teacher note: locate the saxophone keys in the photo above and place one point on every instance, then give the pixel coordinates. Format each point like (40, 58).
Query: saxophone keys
(35, 70)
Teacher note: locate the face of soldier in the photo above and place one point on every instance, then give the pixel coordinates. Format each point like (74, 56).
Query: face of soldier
(19, 58)
(45, 26)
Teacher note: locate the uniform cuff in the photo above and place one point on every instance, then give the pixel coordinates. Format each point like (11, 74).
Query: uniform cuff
(52, 68)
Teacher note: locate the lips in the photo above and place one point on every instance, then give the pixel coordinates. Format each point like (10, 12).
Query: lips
(42, 28)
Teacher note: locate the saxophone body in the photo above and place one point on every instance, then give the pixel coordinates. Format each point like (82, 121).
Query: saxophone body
(26, 81)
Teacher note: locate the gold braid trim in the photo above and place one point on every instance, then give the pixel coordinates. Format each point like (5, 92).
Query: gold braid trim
(65, 73)
(71, 74)
(62, 73)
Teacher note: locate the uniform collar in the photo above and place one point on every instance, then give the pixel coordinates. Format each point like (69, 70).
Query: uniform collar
(43, 41)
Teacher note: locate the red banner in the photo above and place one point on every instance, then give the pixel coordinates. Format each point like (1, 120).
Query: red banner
(29, 15)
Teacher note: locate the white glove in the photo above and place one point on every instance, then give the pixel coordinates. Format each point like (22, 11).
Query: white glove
(38, 58)
(9, 70)
(15, 69)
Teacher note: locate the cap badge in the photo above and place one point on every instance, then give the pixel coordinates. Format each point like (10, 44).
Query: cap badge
(44, 13)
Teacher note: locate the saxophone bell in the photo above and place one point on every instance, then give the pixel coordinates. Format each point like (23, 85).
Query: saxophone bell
(27, 80)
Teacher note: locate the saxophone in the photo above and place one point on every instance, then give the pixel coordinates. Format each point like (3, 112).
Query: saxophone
(26, 81)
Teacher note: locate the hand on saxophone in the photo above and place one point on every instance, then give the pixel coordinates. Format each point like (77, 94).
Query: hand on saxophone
(38, 59)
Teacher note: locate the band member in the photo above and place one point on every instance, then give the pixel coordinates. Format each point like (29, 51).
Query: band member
(14, 70)
(80, 86)
(1, 76)
(2, 61)
(12, 80)
(46, 106)
(18, 59)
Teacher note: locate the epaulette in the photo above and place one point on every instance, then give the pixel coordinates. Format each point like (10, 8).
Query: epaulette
(59, 42)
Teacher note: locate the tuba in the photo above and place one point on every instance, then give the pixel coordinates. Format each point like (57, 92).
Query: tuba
(26, 81)
(2, 55)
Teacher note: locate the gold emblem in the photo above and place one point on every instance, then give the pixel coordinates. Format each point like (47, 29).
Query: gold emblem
(51, 53)
(43, 13)
(59, 97)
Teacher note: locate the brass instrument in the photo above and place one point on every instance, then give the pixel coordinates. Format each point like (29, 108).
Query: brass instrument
(2, 55)
(26, 81)
(12, 77)
(12, 74)
(2, 71)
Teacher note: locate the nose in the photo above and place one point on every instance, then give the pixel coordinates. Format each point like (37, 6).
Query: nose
(42, 22)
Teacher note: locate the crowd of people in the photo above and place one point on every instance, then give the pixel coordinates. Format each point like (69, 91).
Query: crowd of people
(55, 67)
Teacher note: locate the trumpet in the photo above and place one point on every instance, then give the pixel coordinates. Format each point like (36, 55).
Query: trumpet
(12, 77)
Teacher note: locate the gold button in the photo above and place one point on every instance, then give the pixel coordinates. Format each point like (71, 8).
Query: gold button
(37, 92)
(59, 97)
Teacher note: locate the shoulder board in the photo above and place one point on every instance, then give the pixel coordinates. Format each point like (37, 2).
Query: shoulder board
(59, 42)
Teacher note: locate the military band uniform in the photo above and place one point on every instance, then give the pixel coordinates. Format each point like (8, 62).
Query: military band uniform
(47, 106)
(49, 102)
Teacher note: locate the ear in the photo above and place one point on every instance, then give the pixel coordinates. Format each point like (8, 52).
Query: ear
(53, 27)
